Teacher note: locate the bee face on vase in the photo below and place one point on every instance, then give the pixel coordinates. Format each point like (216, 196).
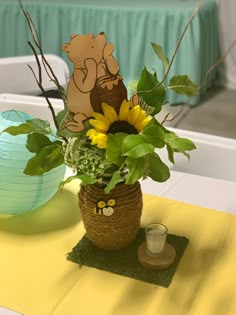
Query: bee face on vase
(105, 207)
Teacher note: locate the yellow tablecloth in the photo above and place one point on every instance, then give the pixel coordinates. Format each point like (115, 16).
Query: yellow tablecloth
(36, 278)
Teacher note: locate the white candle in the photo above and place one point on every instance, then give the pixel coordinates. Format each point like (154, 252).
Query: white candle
(155, 238)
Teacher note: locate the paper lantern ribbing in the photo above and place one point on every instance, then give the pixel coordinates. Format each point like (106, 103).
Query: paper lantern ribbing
(19, 192)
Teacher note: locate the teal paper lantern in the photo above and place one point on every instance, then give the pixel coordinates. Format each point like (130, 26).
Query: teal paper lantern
(19, 192)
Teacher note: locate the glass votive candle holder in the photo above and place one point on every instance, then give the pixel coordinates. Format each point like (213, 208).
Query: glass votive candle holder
(155, 235)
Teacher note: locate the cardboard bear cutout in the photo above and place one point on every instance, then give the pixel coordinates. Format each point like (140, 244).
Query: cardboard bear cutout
(95, 79)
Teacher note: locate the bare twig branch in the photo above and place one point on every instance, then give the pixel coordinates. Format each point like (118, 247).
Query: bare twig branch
(198, 7)
(38, 62)
(43, 91)
(219, 61)
(46, 65)
(39, 82)
(171, 119)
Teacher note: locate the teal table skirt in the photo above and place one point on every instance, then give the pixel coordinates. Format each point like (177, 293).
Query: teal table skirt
(130, 25)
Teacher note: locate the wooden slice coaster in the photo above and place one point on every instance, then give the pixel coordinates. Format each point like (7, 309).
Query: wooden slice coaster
(164, 260)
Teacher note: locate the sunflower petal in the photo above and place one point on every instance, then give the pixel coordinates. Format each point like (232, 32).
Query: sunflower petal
(109, 112)
(134, 115)
(102, 118)
(99, 125)
(91, 133)
(100, 140)
(142, 123)
(124, 110)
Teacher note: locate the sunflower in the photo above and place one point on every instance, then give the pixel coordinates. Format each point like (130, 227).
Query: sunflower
(131, 120)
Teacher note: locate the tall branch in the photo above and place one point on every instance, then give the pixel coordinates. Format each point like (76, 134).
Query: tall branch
(219, 61)
(196, 10)
(48, 69)
(41, 86)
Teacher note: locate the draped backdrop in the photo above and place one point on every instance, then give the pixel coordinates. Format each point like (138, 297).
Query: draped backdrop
(130, 25)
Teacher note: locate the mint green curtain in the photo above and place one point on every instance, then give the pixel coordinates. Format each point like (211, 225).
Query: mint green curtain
(130, 25)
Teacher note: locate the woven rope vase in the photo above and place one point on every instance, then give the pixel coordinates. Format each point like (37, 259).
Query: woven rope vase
(111, 220)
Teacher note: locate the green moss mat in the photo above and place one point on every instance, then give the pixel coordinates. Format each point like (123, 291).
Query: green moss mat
(124, 262)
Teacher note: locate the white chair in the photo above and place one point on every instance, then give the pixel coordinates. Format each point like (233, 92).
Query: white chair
(32, 105)
(16, 77)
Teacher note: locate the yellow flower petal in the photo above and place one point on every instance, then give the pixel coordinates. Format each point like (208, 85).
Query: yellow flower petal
(91, 133)
(102, 118)
(99, 125)
(142, 115)
(100, 140)
(134, 115)
(109, 112)
(142, 123)
(124, 110)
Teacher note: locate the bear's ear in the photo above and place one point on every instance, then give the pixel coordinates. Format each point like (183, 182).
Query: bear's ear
(72, 36)
(66, 47)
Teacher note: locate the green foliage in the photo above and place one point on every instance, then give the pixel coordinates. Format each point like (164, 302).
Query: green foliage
(161, 55)
(154, 135)
(49, 157)
(19, 130)
(135, 146)
(181, 84)
(150, 91)
(116, 178)
(87, 180)
(127, 157)
(48, 154)
(32, 125)
(157, 170)
(114, 148)
(36, 141)
(136, 169)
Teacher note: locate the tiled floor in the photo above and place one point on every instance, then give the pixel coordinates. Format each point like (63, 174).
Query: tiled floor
(216, 114)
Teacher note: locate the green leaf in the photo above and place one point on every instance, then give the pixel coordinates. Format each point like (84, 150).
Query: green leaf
(183, 152)
(24, 128)
(114, 148)
(136, 169)
(36, 141)
(154, 141)
(170, 153)
(182, 84)
(132, 141)
(169, 135)
(40, 125)
(157, 170)
(155, 130)
(60, 115)
(152, 122)
(48, 158)
(66, 181)
(183, 144)
(154, 96)
(160, 54)
(86, 179)
(136, 146)
(154, 135)
(140, 150)
(116, 178)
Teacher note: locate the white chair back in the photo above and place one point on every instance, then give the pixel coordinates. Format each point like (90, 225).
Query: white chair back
(16, 77)
(35, 106)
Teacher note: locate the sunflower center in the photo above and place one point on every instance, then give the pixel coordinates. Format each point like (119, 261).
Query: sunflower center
(122, 126)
